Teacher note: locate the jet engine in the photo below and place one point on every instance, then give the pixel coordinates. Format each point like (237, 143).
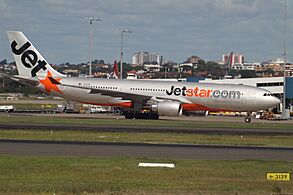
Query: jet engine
(169, 108)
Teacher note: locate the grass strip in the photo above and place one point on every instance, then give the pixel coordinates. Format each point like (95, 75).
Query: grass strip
(82, 175)
(93, 136)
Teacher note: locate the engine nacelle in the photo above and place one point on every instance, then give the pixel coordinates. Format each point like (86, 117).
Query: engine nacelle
(168, 108)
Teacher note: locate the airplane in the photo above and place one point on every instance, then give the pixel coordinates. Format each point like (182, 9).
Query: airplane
(115, 73)
(149, 99)
(115, 70)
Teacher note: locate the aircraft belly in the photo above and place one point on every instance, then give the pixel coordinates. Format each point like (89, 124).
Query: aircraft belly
(235, 105)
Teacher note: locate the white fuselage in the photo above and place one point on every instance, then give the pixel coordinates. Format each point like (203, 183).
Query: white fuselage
(193, 96)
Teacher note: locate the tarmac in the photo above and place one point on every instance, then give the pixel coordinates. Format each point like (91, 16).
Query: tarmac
(152, 129)
(233, 119)
(196, 152)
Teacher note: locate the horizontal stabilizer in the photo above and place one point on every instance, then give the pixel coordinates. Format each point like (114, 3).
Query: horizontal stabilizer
(54, 81)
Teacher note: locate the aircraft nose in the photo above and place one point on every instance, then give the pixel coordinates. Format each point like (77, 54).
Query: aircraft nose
(275, 100)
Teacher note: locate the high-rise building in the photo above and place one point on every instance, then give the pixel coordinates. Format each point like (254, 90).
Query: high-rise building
(234, 58)
(141, 58)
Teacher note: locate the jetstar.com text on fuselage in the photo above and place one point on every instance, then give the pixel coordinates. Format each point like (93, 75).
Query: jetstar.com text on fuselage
(203, 93)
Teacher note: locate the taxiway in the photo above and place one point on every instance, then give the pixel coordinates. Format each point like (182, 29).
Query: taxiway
(108, 149)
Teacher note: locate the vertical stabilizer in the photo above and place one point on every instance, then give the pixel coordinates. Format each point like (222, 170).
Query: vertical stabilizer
(115, 70)
(29, 62)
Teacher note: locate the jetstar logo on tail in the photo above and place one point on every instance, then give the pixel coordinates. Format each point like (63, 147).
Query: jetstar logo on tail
(203, 93)
(28, 57)
(49, 86)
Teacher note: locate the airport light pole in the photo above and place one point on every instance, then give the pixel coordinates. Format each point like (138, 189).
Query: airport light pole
(284, 114)
(165, 69)
(91, 21)
(121, 50)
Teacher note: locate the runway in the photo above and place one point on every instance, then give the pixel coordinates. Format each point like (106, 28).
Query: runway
(154, 129)
(197, 152)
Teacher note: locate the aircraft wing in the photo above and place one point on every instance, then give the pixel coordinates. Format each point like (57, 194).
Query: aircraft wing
(123, 95)
(113, 93)
(129, 96)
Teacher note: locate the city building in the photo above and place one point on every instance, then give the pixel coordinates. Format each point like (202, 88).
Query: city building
(235, 59)
(71, 72)
(193, 65)
(246, 66)
(152, 67)
(191, 62)
(275, 61)
(141, 58)
(194, 60)
(131, 75)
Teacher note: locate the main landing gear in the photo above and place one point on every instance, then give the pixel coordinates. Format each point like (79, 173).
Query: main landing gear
(248, 118)
(138, 115)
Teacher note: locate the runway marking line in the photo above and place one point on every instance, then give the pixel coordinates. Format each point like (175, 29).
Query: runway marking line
(164, 165)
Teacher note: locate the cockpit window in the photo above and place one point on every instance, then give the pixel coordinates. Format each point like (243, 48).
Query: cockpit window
(267, 94)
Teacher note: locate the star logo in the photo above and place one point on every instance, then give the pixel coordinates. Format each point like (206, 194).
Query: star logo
(49, 86)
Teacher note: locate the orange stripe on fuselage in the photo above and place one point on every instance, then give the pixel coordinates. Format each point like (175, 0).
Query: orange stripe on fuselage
(191, 107)
(195, 107)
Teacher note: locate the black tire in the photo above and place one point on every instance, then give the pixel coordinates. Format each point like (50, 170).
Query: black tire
(129, 115)
(247, 119)
(154, 116)
(142, 116)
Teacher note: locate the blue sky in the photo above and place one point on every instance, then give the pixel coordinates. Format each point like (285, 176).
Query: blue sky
(175, 29)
